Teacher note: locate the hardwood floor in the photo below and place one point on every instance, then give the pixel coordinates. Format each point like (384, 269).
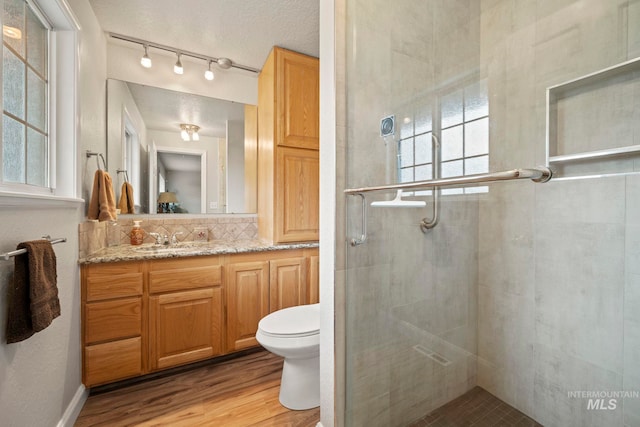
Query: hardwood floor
(241, 392)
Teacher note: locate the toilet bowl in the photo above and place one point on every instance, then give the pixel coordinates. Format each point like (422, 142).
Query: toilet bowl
(294, 333)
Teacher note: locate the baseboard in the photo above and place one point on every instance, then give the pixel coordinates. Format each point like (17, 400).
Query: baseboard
(75, 406)
(319, 424)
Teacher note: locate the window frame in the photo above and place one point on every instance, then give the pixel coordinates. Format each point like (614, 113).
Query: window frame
(437, 130)
(62, 62)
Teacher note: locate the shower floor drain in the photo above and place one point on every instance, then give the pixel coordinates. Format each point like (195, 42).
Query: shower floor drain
(432, 355)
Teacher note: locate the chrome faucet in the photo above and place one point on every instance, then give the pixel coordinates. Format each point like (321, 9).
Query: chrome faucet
(160, 238)
(174, 238)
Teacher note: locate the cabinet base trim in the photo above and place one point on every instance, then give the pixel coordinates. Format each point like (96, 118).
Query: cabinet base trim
(105, 388)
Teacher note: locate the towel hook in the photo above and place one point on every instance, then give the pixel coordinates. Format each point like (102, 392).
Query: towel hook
(91, 154)
(126, 175)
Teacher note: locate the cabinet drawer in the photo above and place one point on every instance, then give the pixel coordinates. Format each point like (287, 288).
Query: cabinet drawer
(184, 278)
(113, 361)
(107, 281)
(109, 320)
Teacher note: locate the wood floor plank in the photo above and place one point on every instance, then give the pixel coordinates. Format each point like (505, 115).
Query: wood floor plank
(241, 392)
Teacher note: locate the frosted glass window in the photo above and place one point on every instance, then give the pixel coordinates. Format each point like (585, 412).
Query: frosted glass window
(423, 149)
(451, 109)
(452, 143)
(406, 175)
(406, 126)
(463, 132)
(450, 169)
(36, 44)
(423, 173)
(13, 84)
(475, 190)
(25, 142)
(423, 120)
(13, 25)
(36, 158)
(476, 137)
(36, 101)
(476, 165)
(476, 104)
(406, 152)
(13, 150)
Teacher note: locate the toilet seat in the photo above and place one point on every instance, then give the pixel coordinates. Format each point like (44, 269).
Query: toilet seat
(293, 322)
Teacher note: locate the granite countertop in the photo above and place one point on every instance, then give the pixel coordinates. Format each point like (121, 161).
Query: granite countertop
(186, 249)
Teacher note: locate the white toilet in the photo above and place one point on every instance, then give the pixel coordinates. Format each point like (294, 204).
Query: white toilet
(294, 333)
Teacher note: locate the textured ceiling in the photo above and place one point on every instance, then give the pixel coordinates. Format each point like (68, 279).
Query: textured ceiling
(241, 30)
(163, 109)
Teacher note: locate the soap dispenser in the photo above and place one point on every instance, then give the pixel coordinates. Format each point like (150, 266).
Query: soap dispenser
(137, 234)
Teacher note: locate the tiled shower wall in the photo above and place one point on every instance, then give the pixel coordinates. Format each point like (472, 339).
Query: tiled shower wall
(93, 235)
(540, 281)
(559, 290)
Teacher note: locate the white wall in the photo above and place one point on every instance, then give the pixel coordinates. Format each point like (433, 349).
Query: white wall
(41, 376)
(186, 185)
(330, 394)
(235, 166)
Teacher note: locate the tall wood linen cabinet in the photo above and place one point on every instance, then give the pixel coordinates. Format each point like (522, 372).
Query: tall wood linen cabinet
(288, 147)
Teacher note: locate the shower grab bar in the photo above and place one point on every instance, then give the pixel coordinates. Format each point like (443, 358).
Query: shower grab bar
(539, 174)
(426, 224)
(363, 236)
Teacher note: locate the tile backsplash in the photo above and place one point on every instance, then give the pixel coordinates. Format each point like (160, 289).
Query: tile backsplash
(93, 235)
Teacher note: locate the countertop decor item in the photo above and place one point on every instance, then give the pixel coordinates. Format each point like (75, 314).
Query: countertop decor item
(137, 234)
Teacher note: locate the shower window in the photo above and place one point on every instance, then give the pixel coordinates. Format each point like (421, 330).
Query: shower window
(464, 137)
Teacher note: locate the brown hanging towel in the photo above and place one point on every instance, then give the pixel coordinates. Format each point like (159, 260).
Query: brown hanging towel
(33, 295)
(126, 204)
(103, 200)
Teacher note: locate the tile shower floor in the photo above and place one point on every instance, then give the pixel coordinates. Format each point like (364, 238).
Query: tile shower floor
(476, 408)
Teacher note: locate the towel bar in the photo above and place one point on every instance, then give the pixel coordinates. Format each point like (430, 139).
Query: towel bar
(5, 256)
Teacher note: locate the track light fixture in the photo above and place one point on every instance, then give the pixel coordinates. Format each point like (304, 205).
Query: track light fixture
(177, 68)
(209, 74)
(145, 61)
(189, 132)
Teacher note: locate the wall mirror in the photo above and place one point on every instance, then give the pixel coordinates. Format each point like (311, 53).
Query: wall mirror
(201, 168)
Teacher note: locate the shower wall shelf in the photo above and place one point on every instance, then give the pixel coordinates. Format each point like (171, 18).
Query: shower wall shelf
(590, 112)
(540, 174)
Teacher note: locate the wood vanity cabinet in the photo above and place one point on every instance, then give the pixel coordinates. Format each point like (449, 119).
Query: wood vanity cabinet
(185, 310)
(288, 147)
(144, 316)
(112, 322)
(247, 287)
(260, 283)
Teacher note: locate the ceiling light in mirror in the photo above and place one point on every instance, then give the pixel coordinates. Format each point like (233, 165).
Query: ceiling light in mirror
(11, 32)
(178, 67)
(145, 61)
(209, 74)
(189, 132)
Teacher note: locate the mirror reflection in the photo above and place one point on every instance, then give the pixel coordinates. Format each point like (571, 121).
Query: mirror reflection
(181, 153)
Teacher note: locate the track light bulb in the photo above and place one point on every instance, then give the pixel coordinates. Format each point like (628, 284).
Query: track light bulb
(195, 136)
(178, 67)
(209, 74)
(145, 61)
